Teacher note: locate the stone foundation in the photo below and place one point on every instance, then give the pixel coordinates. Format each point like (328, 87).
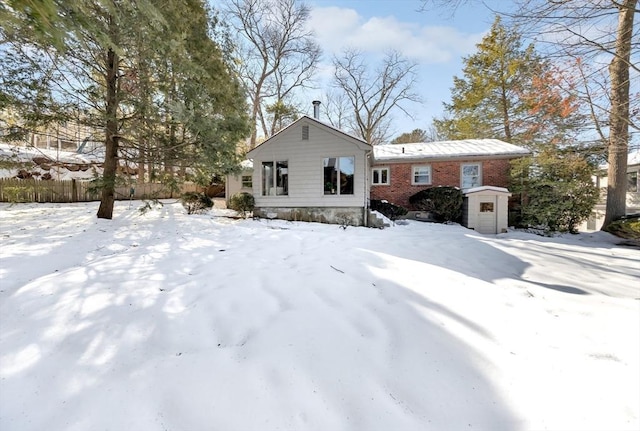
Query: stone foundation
(350, 216)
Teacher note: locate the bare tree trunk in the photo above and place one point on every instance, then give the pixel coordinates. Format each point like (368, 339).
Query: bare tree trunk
(619, 116)
(111, 141)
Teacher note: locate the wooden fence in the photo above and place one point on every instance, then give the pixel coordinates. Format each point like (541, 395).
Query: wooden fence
(32, 190)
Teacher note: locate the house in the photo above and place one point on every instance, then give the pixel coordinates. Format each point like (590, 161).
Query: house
(401, 170)
(596, 219)
(313, 171)
(241, 182)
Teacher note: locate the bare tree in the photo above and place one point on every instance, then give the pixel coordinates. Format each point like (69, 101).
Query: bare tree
(278, 55)
(591, 31)
(336, 109)
(374, 96)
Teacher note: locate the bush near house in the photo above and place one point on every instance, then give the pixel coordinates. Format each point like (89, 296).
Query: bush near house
(389, 210)
(242, 202)
(196, 203)
(556, 189)
(444, 203)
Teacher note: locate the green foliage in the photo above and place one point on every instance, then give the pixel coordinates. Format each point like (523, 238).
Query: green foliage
(150, 205)
(556, 189)
(18, 194)
(389, 210)
(242, 202)
(416, 135)
(196, 203)
(149, 79)
(628, 227)
(509, 92)
(445, 203)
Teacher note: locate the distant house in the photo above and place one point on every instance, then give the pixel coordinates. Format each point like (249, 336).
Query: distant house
(401, 170)
(313, 171)
(633, 192)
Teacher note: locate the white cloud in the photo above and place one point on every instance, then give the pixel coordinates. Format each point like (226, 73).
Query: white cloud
(337, 28)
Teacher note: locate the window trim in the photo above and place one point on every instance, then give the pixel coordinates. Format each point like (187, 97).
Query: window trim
(462, 165)
(380, 169)
(413, 175)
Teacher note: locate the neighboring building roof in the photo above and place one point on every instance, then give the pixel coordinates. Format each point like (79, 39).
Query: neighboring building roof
(246, 164)
(633, 158)
(320, 123)
(447, 149)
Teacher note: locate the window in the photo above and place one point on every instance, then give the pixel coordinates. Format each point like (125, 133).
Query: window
(247, 182)
(379, 176)
(486, 207)
(421, 175)
(632, 182)
(275, 178)
(471, 176)
(338, 175)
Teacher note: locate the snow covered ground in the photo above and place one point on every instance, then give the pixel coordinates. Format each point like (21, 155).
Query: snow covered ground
(166, 321)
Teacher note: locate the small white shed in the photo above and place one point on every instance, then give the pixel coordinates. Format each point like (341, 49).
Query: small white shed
(486, 209)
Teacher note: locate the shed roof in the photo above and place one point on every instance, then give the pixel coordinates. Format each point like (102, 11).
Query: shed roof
(482, 189)
(447, 149)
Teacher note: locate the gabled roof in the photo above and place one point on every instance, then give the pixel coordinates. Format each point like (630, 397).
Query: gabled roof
(447, 150)
(322, 124)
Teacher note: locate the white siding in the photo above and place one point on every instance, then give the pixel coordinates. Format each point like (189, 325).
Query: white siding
(473, 219)
(234, 185)
(305, 167)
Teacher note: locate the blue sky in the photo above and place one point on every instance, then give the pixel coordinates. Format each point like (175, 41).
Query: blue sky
(436, 39)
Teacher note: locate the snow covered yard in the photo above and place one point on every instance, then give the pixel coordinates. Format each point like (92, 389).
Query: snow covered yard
(165, 321)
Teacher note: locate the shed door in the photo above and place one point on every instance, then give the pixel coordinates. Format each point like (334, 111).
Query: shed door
(487, 215)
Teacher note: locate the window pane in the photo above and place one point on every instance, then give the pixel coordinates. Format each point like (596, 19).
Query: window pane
(282, 178)
(347, 170)
(422, 175)
(330, 176)
(267, 178)
(384, 173)
(247, 181)
(376, 177)
(486, 207)
(470, 176)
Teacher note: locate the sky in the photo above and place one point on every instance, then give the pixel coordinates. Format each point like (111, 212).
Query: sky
(168, 321)
(437, 39)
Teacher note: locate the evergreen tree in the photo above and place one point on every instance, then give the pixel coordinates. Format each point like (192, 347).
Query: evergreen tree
(508, 92)
(416, 135)
(556, 187)
(148, 74)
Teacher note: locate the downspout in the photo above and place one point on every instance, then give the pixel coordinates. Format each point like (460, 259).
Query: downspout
(367, 188)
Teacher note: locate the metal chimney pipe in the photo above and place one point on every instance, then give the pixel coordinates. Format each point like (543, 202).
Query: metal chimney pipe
(316, 109)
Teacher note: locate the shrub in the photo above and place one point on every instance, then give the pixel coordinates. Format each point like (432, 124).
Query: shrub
(389, 210)
(196, 203)
(556, 189)
(626, 227)
(445, 203)
(242, 202)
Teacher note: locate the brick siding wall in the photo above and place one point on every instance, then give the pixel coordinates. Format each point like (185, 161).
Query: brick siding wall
(445, 173)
